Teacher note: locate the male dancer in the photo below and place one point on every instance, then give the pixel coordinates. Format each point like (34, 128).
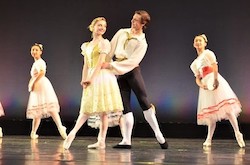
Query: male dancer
(128, 48)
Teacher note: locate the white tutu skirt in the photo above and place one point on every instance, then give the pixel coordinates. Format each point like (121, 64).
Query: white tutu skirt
(42, 100)
(1, 110)
(215, 105)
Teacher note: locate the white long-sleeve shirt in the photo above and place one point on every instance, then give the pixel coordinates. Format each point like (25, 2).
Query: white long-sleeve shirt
(129, 50)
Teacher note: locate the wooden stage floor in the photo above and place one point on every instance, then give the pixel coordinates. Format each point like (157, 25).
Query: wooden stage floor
(47, 150)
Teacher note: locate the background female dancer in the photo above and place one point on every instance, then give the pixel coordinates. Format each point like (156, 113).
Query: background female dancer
(217, 103)
(43, 101)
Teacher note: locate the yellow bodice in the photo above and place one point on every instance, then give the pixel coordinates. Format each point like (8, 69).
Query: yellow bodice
(92, 55)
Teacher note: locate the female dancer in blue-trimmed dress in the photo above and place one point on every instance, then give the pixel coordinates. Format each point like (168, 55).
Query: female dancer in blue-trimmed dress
(101, 95)
(43, 101)
(218, 103)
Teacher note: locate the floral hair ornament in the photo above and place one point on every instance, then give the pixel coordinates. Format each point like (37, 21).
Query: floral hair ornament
(39, 45)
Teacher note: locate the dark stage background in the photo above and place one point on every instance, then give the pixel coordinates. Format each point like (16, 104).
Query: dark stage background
(61, 26)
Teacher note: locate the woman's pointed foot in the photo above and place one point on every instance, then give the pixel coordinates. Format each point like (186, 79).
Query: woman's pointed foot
(62, 131)
(239, 138)
(33, 135)
(67, 142)
(207, 143)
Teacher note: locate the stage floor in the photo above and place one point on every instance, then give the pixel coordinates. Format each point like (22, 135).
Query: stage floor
(47, 150)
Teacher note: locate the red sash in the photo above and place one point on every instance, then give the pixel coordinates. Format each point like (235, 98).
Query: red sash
(206, 70)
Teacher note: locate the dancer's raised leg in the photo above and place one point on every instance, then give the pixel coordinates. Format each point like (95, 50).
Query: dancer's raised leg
(151, 119)
(62, 130)
(80, 121)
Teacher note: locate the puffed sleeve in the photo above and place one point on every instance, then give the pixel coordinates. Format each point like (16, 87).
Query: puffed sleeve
(83, 48)
(104, 46)
(211, 58)
(40, 65)
(194, 69)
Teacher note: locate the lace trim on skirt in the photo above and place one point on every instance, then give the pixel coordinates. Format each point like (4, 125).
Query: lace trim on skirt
(219, 111)
(42, 110)
(113, 120)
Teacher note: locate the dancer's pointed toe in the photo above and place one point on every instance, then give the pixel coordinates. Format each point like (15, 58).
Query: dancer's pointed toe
(239, 138)
(207, 143)
(33, 135)
(63, 132)
(164, 145)
(67, 142)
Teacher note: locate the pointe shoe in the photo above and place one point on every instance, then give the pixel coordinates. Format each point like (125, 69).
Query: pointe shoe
(1, 132)
(93, 146)
(62, 131)
(96, 146)
(207, 143)
(33, 135)
(67, 142)
(239, 138)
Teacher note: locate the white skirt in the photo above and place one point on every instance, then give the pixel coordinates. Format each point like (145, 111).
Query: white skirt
(215, 105)
(42, 100)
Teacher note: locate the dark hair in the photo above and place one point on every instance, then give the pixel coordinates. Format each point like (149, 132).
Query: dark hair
(145, 17)
(202, 36)
(38, 45)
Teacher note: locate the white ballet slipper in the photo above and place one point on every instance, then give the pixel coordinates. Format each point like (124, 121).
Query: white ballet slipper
(207, 143)
(239, 138)
(98, 145)
(33, 135)
(67, 142)
(62, 131)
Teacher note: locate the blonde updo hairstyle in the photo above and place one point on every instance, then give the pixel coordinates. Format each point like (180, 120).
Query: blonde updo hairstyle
(91, 26)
